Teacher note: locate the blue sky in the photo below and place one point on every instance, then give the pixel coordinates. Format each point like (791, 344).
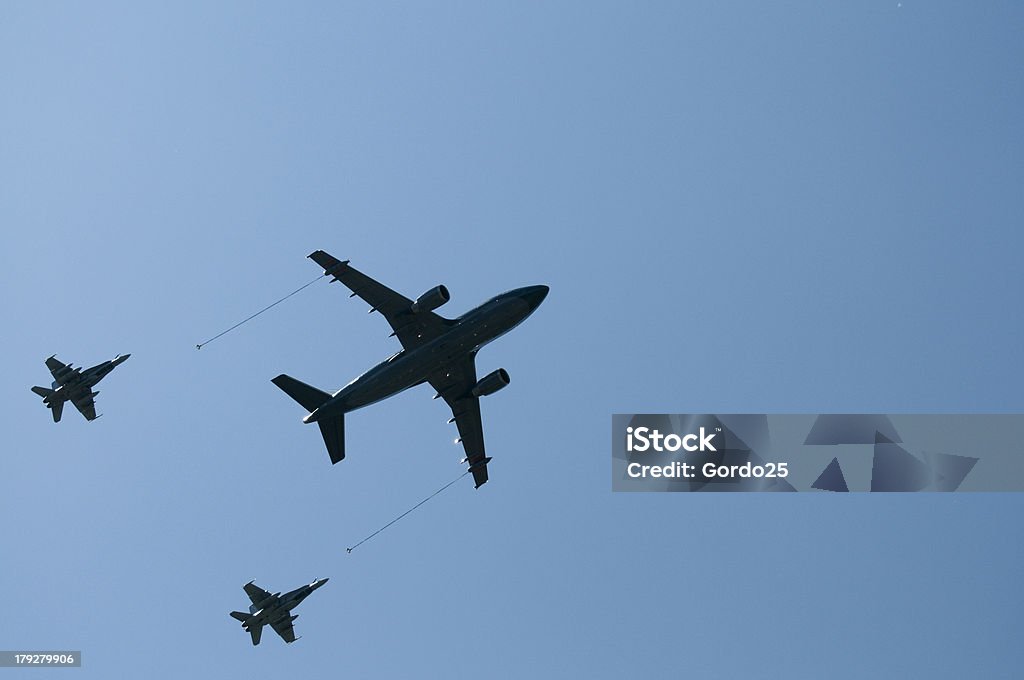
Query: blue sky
(808, 207)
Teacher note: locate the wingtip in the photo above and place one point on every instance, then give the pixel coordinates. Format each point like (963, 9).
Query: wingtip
(281, 380)
(331, 264)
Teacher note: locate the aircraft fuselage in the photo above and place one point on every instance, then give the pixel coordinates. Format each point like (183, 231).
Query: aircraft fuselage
(82, 383)
(408, 368)
(278, 607)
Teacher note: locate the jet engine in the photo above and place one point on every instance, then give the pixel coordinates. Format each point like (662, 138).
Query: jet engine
(431, 300)
(491, 383)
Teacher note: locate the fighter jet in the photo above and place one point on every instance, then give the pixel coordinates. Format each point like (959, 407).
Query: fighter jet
(436, 350)
(274, 610)
(75, 385)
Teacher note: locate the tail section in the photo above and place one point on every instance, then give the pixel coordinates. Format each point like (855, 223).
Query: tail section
(333, 430)
(256, 632)
(56, 408)
(310, 397)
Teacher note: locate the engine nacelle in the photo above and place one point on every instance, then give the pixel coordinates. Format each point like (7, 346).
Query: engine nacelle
(431, 300)
(491, 383)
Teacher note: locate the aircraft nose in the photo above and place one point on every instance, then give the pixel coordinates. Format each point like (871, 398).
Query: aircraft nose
(534, 295)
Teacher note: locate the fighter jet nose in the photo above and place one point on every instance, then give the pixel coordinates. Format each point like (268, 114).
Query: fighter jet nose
(534, 295)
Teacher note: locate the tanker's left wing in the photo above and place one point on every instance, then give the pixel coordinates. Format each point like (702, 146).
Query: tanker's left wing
(412, 328)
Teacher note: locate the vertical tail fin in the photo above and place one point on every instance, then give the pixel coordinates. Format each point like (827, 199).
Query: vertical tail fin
(333, 430)
(56, 408)
(256, 632)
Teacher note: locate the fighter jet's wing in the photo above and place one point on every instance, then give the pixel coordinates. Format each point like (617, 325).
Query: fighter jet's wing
(60, 371)
(283, 627)
(411, 328)
(255, 593)
(86, 406)
(455, 384)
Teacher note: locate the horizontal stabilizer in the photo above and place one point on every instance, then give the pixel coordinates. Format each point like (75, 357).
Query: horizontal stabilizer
(42, 391)
(241, 616)
(310, 397)
(333, 430)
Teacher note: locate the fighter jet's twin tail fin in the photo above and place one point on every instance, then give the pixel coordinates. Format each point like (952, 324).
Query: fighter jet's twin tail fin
(255, 632)
(332, 429)
(56, 408)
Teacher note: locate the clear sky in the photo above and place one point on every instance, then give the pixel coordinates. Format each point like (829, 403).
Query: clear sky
(739, 207)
